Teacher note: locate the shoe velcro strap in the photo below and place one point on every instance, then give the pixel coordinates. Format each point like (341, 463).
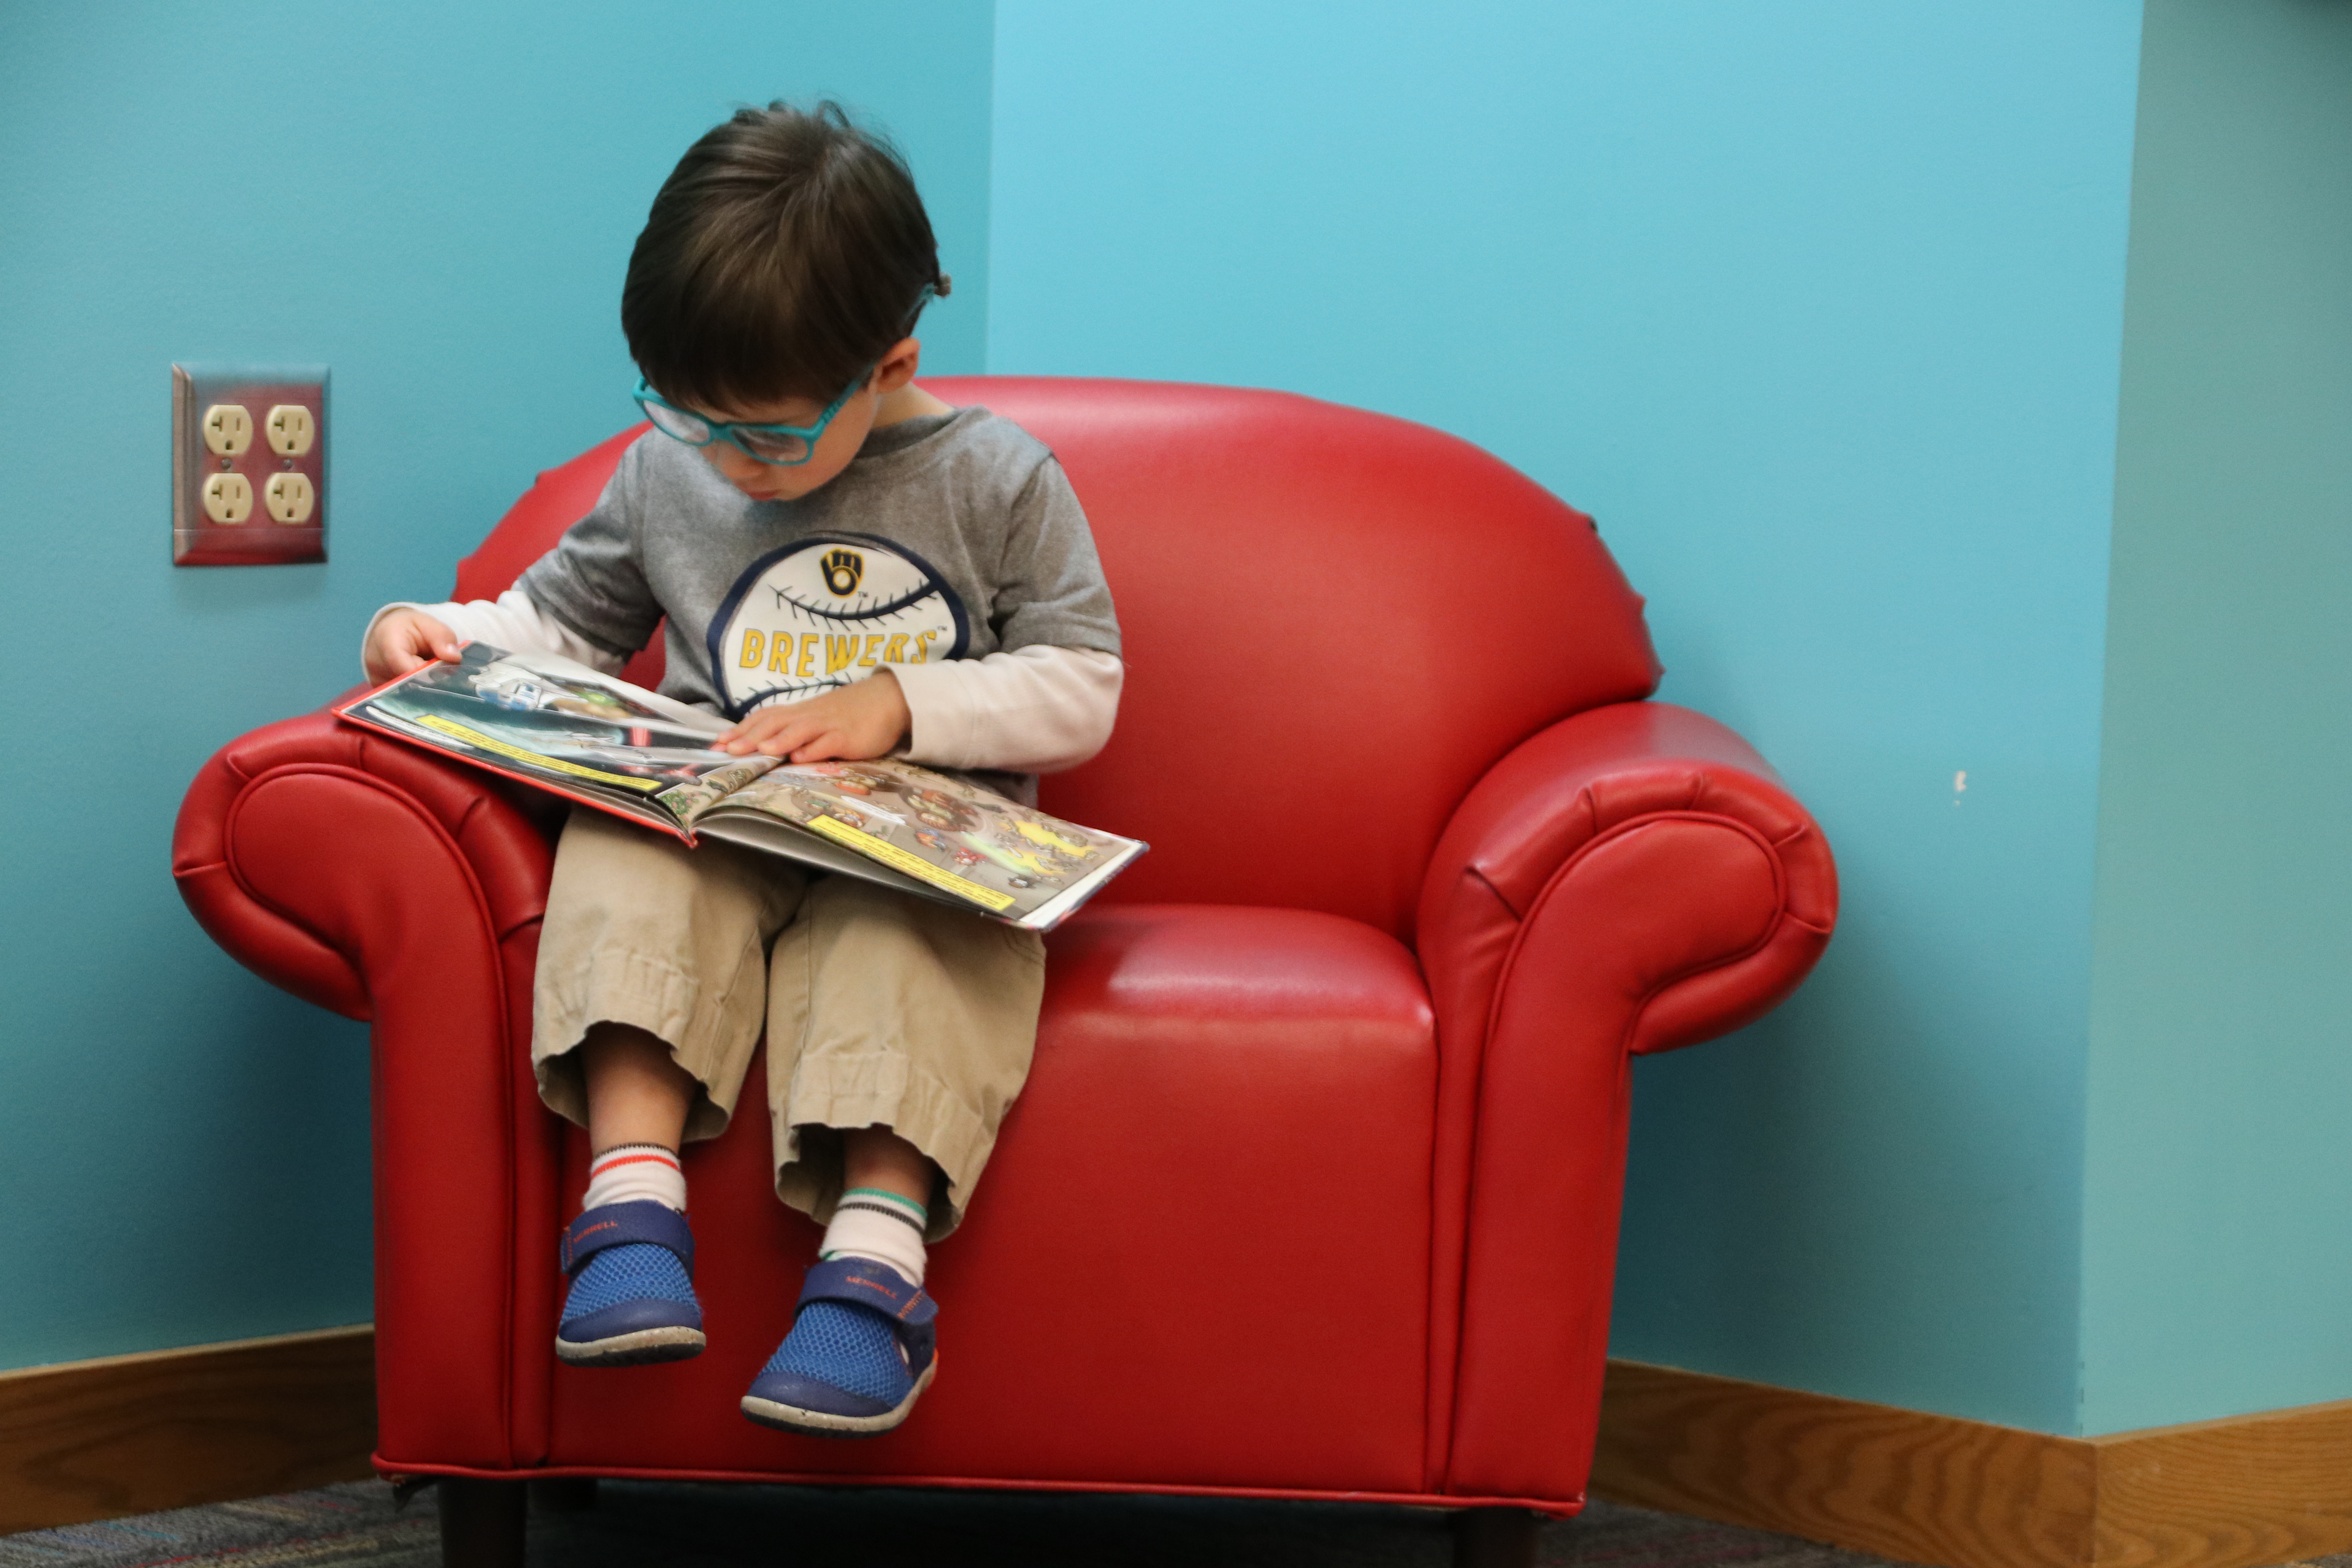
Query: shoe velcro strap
(876, 1287)
(626, 1225)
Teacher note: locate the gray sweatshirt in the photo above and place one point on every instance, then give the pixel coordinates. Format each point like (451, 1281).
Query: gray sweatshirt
(948, 537)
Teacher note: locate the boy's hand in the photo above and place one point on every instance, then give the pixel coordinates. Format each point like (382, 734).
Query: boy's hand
(406, 640)
(865, 719)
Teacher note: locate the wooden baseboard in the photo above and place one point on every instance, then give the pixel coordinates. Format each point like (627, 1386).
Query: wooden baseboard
(96, 1440)
(132, 1434)
(2239, 1493)
(2251, 1490)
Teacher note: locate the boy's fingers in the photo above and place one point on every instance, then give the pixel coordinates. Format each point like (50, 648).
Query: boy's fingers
(784, 736)
(752, 740)
(802, 736)
(402, 645)
(745, 735)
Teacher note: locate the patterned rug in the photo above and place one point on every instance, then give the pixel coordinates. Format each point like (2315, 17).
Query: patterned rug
(684, 1526)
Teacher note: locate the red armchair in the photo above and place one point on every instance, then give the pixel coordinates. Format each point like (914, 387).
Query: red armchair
(1428, 872)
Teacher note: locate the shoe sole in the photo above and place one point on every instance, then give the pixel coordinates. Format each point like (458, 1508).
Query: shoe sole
(824, 1424)
(643, 1347)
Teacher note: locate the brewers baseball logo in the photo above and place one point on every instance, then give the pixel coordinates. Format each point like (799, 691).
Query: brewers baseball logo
(827, 611)
(843, 568)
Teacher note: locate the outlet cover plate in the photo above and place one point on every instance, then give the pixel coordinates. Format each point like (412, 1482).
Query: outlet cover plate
(259, 540)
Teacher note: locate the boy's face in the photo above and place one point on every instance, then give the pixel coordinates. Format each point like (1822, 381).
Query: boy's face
(834, 449)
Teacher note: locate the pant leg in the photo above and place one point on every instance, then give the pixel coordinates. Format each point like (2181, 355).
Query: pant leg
(641, 930)
(887, 1009)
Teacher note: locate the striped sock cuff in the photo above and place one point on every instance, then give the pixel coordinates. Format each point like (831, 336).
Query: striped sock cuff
(631, 1154)
(871, 1223)
(630, 1172)
(873, 1200)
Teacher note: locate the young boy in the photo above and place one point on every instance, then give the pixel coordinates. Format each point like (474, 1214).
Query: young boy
(797, 486)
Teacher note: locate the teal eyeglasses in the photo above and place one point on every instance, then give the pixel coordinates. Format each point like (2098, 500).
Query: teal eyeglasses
(779, 445)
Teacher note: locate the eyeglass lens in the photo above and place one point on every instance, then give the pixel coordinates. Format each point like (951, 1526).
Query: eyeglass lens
(774, 445)
(677, 423)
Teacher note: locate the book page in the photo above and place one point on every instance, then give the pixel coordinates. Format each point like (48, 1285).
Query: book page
(1009, 859)
(569, 726)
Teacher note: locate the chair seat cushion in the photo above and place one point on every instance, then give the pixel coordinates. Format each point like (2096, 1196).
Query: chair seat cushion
(1199, 1256)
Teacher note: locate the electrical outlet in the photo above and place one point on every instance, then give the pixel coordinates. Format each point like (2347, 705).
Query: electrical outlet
(228, 430)
(220, 472)
(291, 428)
(229, 498)
(288, 497)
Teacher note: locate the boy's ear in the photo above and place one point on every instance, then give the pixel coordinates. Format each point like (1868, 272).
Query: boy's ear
(899, 367)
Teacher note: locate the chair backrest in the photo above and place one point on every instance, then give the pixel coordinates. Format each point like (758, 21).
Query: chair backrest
(1335, 623)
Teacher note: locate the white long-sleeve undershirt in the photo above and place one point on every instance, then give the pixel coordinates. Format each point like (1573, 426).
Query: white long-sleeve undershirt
(1037, 709)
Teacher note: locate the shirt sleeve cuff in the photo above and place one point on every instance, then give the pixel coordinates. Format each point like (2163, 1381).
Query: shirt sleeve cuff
(942, 710)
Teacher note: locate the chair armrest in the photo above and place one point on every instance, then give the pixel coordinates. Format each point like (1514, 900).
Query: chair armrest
(1568, 795)
(389, 885)
(1631, 880)
(278, 854)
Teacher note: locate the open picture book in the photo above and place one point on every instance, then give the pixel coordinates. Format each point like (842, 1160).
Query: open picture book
(600, 742)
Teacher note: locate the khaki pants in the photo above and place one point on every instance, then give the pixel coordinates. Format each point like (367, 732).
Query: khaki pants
(880, 1008)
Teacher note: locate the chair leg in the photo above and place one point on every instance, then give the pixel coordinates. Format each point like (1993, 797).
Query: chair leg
(563, 1494)
(1495, 1537)
(482, 1522)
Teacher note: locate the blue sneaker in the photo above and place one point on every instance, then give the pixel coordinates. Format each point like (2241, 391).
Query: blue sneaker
(861, 1351)
(632, 1301)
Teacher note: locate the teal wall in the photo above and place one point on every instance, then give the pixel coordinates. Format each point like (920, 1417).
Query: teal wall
(436, 199)
(1816, 305)
(2218, 1203)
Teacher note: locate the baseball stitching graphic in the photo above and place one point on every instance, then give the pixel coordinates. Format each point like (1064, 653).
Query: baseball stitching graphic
(824, 612)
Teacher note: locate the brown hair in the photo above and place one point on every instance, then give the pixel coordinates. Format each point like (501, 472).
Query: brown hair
(783, 258)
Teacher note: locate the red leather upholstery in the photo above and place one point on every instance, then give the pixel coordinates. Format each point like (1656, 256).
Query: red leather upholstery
(1427, 874)
(1631, 879)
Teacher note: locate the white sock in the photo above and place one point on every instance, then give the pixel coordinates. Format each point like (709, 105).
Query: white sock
(884, 1227)
(634, 1172)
